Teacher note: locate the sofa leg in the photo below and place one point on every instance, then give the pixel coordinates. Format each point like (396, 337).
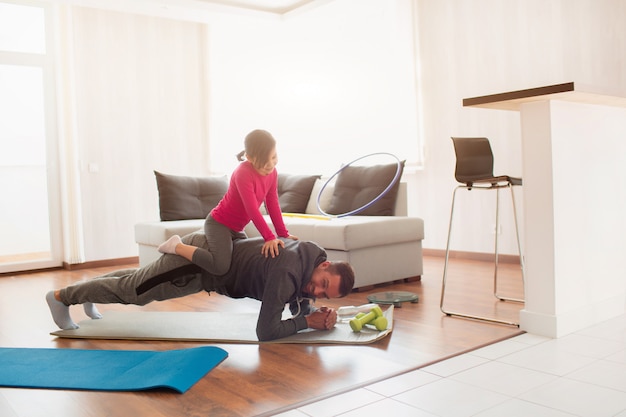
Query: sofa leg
(364, 288)
(416, 278)
(413, 279)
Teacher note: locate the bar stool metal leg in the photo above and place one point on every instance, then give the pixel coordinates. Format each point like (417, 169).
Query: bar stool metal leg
(447, 257)
(519, 248)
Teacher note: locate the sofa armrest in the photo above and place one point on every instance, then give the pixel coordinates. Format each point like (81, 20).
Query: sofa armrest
(402, 205)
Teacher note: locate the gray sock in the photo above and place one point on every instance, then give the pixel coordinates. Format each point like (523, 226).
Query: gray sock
(60, 313)
(92, 311)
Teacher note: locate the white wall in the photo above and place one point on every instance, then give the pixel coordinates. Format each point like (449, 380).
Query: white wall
(332, 84)
(342, 74)
(477, 47)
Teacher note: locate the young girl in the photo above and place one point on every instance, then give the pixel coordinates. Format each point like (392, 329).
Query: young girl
(253, 182)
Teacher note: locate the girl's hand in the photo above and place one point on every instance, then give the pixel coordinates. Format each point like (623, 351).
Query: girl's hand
(270, 248)
(292, 237)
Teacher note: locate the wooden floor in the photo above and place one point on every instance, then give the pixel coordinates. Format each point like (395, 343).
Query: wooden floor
(268, 378)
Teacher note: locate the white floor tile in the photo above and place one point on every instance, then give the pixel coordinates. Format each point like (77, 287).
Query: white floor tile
(582, 374)
(342, 403)
(617, 357)
(402, 383)
(292, 413)
(388, 407)
(548, 357)
(530, 339)
(594, 347)
(497, 350)
(519, 408)
(578, 398)
(503, 378)
(454, 365)
(449, 398)
(604, 373)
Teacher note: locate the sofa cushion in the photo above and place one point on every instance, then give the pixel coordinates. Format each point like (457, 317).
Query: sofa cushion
(294, 191)
(182, 198)
(325, 198)
(352, 232)
(356, 186)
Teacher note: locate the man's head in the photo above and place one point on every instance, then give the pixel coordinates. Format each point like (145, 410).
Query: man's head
(331, 280)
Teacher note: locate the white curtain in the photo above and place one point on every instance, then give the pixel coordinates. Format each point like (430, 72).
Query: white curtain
(134, 100)
(68, 147)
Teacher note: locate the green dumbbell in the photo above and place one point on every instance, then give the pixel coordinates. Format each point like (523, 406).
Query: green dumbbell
(375, 317)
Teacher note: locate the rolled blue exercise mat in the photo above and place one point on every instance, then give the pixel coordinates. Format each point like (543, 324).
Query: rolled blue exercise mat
(107, 370)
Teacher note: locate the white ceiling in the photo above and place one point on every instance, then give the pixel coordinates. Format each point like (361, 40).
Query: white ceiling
(271, 6)
(196, 10)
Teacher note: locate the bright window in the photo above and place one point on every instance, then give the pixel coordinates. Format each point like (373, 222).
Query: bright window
(24, 139)
(22, 29)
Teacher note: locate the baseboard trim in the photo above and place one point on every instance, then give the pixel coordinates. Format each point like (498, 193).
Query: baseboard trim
(102, 263)
(473, 256)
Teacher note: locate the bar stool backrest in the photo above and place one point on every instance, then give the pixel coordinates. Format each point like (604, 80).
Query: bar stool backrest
(474, 160)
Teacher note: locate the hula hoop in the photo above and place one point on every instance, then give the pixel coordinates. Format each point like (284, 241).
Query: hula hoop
(374, 200)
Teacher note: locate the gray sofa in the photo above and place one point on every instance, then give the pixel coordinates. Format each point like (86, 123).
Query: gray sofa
(381, 248)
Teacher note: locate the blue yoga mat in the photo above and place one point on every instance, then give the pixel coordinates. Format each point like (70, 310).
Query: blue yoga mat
(107, 370)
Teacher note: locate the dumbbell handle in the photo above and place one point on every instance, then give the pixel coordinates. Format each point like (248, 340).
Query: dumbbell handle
(358, 322)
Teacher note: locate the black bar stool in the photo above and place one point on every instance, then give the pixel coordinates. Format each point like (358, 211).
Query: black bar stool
(474, 170)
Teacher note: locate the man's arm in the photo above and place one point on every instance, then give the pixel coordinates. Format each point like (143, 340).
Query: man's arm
(275, 328)
(279, 288)
(278, 291)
